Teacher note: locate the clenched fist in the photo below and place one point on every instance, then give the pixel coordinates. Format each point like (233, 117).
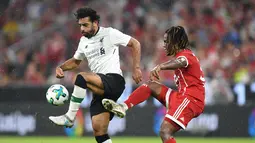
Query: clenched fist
(154, 74)
(59, 72)
(137, 75)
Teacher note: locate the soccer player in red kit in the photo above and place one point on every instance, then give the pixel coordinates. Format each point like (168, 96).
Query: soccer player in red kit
(182, 105)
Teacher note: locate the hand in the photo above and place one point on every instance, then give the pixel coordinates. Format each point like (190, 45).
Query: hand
(137, 75)
(155, 73)
(59, 72)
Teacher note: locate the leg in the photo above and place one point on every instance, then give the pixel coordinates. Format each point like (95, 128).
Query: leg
(94, 82)
(113, 87)
(83, 82)
(168, 126)
(141, 94)
(180, 112)
(167, 130)
(100, 125)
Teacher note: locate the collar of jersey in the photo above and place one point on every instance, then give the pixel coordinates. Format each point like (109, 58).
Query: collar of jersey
(95, 33)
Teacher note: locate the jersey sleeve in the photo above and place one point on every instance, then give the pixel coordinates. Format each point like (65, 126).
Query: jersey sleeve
(79, 55)
(187, 58)
(119, 38)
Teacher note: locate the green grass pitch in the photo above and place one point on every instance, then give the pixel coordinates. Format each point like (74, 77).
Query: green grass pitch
(12, 139)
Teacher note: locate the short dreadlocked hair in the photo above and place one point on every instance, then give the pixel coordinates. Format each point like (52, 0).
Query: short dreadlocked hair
(177, 37)
(87, 12)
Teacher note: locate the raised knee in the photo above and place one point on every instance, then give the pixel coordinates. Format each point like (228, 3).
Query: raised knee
(99, 129)
(153, 85)
(150, 84)
(80, 81)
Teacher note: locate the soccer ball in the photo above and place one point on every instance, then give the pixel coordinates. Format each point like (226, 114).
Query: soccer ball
(57, 95)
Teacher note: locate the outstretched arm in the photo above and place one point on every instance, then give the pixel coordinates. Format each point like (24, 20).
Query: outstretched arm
(179, 62)
(136, 52)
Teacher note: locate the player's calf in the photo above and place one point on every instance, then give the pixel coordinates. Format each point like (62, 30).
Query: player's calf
(143, 92)
(98, 128)
(100, 124)
(167, 131)
(79, 93)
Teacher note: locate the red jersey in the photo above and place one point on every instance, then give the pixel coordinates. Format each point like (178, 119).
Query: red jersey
(190, 79)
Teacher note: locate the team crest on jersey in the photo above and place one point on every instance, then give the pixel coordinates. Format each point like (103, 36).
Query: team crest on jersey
(102, 40)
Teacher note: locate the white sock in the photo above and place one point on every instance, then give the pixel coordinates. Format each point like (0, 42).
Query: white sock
(76, 99)
(125, 106)
(108, 141)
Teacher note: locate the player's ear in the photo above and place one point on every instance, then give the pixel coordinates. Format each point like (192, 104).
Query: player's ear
(95, 23)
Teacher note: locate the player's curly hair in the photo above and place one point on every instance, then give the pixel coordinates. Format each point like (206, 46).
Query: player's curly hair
(177, 39)
(87, 12)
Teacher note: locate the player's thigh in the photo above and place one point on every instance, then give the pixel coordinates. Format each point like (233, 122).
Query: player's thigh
(92, 79)
(180, 110)
(96, 107)
(94, 82)
(100, 123)
(96, 90)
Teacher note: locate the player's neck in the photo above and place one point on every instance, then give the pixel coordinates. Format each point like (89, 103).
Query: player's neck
(96, 31)
(180, 50)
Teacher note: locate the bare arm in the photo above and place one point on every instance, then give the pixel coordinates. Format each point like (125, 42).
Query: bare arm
(174, 64)
(67, 65)
(136, 52)
(169, 65)
(70, 64)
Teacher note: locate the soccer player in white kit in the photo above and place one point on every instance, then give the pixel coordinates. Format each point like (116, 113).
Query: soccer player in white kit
(100, 46)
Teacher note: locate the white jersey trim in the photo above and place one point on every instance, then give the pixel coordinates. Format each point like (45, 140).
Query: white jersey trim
(181, 107)
(168, 96)
(183, 77)
(185, 59)
(176, 121)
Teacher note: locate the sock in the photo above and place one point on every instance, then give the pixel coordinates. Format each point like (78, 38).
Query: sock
(141, 94)
(76, 99)
(103, 139)
(172, 140)
(108, 141)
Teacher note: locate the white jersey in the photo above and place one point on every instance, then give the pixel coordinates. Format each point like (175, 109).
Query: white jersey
(102, 50)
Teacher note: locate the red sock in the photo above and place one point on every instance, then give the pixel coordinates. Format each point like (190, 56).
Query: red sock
(141, 94)
(172, 140)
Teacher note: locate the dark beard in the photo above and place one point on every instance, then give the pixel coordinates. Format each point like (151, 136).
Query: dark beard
(90, 34)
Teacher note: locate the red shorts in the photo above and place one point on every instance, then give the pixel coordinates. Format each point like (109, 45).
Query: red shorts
(180, 108)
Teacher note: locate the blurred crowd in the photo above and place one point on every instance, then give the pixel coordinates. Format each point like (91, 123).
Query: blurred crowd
(221, 33)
